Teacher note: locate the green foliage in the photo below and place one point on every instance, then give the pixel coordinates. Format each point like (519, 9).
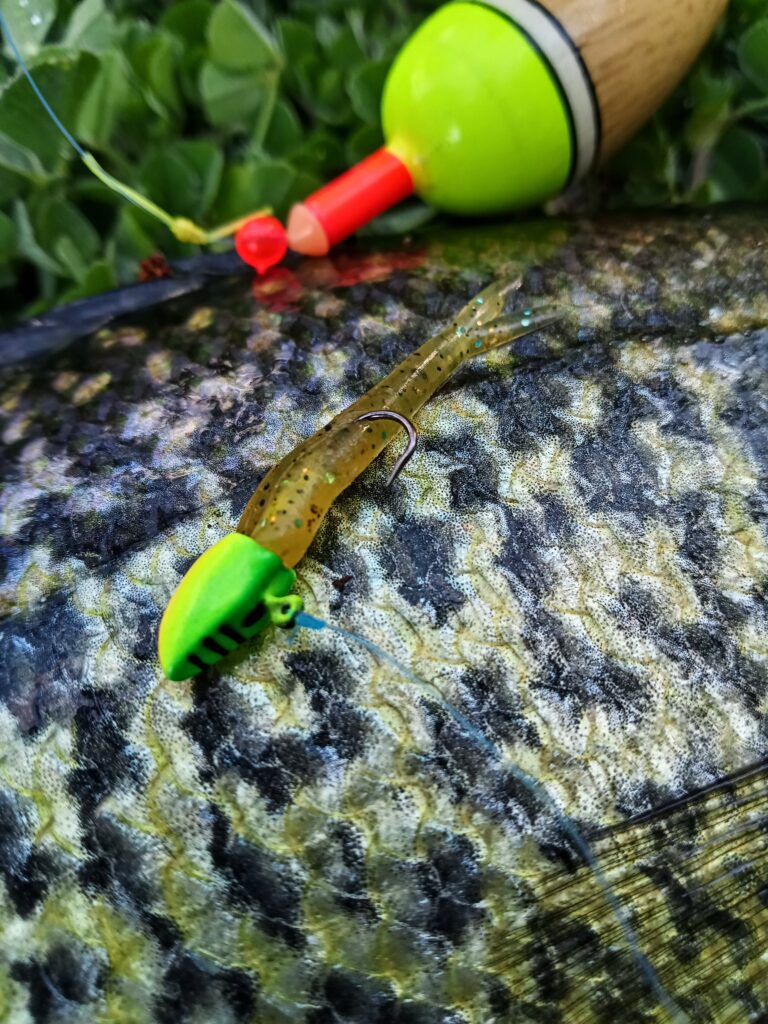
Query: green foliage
(215, 108)
(710, 142)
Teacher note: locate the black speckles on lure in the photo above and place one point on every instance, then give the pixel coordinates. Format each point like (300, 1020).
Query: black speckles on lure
(286, 511)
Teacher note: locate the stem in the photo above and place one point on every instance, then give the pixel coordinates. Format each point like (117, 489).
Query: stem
(700, 168)
(755, 107)
(265, 116)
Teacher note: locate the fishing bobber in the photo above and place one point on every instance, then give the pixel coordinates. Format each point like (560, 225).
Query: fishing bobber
(496, 106)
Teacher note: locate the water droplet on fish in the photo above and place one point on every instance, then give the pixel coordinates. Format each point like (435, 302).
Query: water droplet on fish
(478, 344)
(479, 300)
(526, 322)
(36, 19)
(329, 478)
(23, 3)
(527, 312)
(460, 332)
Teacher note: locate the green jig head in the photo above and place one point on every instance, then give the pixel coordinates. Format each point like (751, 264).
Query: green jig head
(231, 593)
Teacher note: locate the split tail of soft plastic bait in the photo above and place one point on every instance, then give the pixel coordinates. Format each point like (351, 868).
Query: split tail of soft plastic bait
(485, 323)
(510, 326)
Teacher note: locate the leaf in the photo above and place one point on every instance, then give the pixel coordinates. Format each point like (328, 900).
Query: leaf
(188, 20)
(344, 50)
(303, 185)
(402, 219)
(11, 187)
(250, 185)
(7, 238)
(60, 229)
(753, 54)
(70, 258)
(363, 142)
(320, 153)
(298, 40)
(207, 163)
(100, 277)
(28, 22)
(341, 44)
(738, 165)
(302, 60)
(91, 27)
(326, 30)
(101, 108)
(284, 133)
(184, 178)
(272, 181)
(238, 41)
(230, 99)
(326, 98)
(712, 96)
(155, 60)
(21, 160)
(64, 75)
(27, 243)
(136, 238)
(364, 87)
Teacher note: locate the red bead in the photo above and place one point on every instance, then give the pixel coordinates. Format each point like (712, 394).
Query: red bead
(261, 242)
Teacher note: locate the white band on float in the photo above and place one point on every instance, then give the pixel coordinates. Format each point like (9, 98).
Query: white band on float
(565, 60)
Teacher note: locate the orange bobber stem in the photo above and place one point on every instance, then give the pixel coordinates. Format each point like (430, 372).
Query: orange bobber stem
(345, 204)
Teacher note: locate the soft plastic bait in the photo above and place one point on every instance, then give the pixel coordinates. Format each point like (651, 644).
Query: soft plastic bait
(243, 582)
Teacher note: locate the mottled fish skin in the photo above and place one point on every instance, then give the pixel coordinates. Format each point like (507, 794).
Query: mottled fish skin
(576, 560)
(291, 502)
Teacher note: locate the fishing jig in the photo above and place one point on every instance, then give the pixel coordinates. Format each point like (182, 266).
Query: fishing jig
(243, 583)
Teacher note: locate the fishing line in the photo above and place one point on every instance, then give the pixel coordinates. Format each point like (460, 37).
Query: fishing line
(184, 229)
(539, 793)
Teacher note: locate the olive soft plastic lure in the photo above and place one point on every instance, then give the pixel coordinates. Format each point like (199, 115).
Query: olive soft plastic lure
(243, 582)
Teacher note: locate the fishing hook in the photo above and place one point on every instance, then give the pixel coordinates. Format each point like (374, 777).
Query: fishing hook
(405, 423)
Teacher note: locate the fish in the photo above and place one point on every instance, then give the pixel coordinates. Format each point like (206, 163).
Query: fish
(575, 564)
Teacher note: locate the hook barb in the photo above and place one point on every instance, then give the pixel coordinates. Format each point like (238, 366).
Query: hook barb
(408, 427)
